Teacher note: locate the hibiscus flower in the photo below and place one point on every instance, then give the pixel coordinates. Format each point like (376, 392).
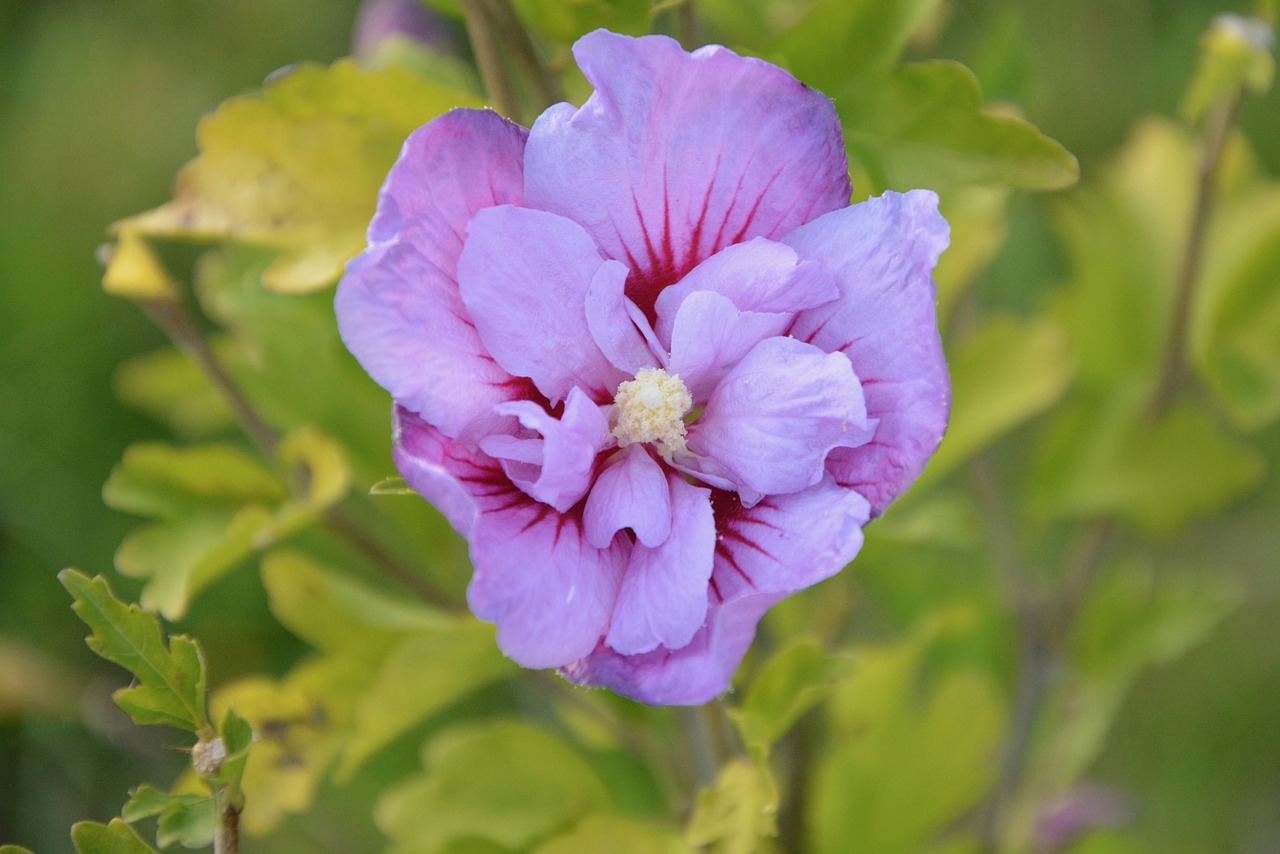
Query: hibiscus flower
(647, 359)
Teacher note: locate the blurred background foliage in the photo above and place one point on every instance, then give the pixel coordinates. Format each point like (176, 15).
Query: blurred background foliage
(1063, 639)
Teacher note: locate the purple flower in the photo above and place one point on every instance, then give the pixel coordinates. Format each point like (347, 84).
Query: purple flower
(647, 359)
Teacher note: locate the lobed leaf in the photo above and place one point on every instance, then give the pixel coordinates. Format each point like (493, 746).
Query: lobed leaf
(171, 677)
(183, 819)
(89, 837)
(923, 125)
(505, 782)
(737, 812)
(795, 679)
(615, 834)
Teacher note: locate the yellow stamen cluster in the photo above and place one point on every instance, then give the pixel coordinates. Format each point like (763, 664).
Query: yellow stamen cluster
(651, 408)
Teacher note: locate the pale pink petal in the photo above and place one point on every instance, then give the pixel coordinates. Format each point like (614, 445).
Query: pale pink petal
(557, 468)
(696, 673)
(404, 321)
(663, 600)
(676, 156)
(398, 307)
(447, 473)
(448, 169)
(882, 253)
(524, 277)
(548, 590)
(772, 421)
(785, 542)
(623, 344)
(711, 335)
(759, 275)
(631, 492)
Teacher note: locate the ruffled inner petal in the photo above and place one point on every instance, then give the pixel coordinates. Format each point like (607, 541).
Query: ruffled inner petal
(557, 468)
(631, 492)
(524, 277)
(711, 336)
(882, 253)
(663, 599)
(771, 423)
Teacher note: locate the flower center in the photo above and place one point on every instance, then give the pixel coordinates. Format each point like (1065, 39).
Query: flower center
(651, 408)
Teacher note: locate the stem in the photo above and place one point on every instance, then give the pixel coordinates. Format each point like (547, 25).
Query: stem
(174, 318)
(544, 86)
(176, 322)
(1174, 363)
(488, 52)
(703, 745)
(226, 836)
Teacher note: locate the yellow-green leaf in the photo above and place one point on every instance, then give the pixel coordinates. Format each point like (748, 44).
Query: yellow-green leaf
(923, 125)
(1235, 56)
(792, 681)
(1008, 372)
(170, 677)
(134, 271)
(422, 675)
(165, 482)
(616, 835)
(168, 386)
(841, 39)
(183, 819)
(297, 167)
(739, 810)
(504, 781)
(89, 837)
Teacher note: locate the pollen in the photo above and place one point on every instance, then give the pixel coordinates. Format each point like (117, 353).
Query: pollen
(651, 408)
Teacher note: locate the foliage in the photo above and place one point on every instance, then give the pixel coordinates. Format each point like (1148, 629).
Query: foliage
(1098, 519)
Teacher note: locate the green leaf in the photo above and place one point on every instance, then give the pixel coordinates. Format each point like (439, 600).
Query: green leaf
(978, 220)
(1008, 372)
(1101, 457)
(168, 386)
(171, 677)
(117, 837)
(297, 167)
(506, 782)
(923, 125)
(617, 835)
(184, 819)
(338, 614)
(299, 722)
(237, 737)
(737, 812)
(168, 482)
(908, 755)
(792, 681)
(421, 676)
(1235, 342)
(14, 849)
(180, 558)
(840, 39)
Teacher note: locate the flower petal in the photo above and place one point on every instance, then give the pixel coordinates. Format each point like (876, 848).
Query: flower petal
(624, 344)
(696, 673)
(759, 275)
(786, 542)
(549, 591)
(772, 421)
(404, 321)
(448, 169)
(446, 473)
(631, 492)
(676, 155)
(398, 306)
(562, 461)
(711, 335)
(663, 599)
(524, 277)
(882, 253)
